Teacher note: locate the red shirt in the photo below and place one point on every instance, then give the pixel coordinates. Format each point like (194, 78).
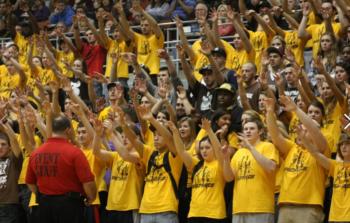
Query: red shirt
(94, 56)
(58, 167)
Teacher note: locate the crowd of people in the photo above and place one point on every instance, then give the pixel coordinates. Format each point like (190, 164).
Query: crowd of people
(96, 124)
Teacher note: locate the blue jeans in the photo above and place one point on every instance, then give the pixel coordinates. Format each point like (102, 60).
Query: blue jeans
(9, 213)
(163, 217)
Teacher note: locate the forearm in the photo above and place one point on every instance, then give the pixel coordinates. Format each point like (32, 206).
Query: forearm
(268, 165)
(302, 33)
(227, 170)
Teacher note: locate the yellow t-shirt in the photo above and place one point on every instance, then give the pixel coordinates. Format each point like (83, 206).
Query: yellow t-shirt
(240, 57)
(332, 124)
(149, 138)
(104, 113)
(303, 178)
(316, 31)
(254, 188)
(201, 60)
(122, 67)
(8, 83)
(68, 58)
(260, 42)
(147, 47)
(159, 195)
(44, 75)
(26, 155)
(125, 190)
(208, 192)
(97, 168)
(296, 45)
(340, 206)
(232, 138)
(23, 46)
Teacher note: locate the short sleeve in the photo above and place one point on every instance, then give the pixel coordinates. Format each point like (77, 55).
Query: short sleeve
(30, 176)
(332, 166)
(271, 152)
(82, 168)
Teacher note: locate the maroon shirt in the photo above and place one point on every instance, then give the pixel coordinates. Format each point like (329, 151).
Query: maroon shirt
(94, 56)
(58, 167)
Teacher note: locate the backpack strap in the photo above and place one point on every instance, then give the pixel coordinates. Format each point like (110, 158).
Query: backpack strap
(167, 168)
(197, 167)
(151, 161)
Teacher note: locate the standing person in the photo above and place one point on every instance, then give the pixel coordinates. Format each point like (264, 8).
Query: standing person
(148, 42)
(60, 174)
(254, 168)
(10, 168)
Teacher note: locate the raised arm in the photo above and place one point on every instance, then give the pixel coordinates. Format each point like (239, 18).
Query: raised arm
(180, 147)
(312, 148)
(246, 42)
(242, 94)
(162, 130)
(308, 123)
(302, 33)
(268, 165)
(267, 29)
(206, 125)
(77, 38)
(153, 23)
(94, 30)
(271, 122)
(183, 39)
(186, 67)
(22, 76)
(97, 142)
(13, 139)
(336, 91)
(123, 21)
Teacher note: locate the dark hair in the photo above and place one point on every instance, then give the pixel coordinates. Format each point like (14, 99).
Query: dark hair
(60, 124)
(318, 105)
(204, 139)
(164, 69)
(4, 136)
(345, 66)
(216, 116)
(343, 139)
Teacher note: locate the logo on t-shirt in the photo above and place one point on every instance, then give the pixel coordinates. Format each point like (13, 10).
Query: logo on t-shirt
(4, 166)
(342, 180)
(245, 170)
(122, 171)
(298, 163)
(203, 178)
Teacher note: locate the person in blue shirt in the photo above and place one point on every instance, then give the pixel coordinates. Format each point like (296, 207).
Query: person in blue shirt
(62, 13)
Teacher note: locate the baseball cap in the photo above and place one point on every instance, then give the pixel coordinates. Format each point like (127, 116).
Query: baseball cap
(114, 84)
(226, 87)
(274, 50)
(219, 51)
(205, 69)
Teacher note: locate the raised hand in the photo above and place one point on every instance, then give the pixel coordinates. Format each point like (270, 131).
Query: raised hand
(129, 58)
(100, 78)
(172, 126)
(214, 14)
(145, 113)
(244, 141)
(279, 80)
(181, 92)
(269, 104)
(205, 48)
(319, 65)
(98, 127)
(162, 53)
(206, 124)
(288, 104)
(180, 50)
(179, 23)
(66, 85)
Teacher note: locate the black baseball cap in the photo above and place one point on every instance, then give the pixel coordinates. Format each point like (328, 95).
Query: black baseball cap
(219, 51)
(114, 84)
(274, 50)
(205, 69)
